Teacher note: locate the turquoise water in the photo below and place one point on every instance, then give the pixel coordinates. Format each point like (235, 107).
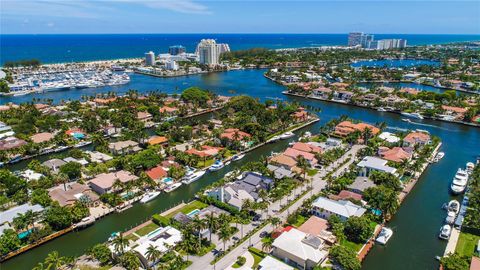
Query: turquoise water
(167, 180)
(24, 234)
(414, 243)
(396, 63)
(193, 212)
(74, 48)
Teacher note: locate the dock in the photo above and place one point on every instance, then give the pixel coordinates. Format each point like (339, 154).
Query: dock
(452, 242)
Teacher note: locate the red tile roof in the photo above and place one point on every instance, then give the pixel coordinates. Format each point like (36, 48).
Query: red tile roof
(156, 173)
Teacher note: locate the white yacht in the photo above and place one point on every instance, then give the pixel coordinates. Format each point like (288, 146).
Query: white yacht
(172, 187)
(149, 196)
(287, 135)
(450, 217)
(445, 232)
(192, 176)
(459, 182)
(384, 235)
(273, 139)
(381, 109)
(216, 166)
(238, 157)
(412, 115)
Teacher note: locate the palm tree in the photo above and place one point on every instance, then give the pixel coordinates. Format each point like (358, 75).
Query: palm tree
(153, 254)
(54, 261)
(212, 224)
(117, 185)
(224, 234)
(120, 243)
(199, 224)
(267, 243)
(275, 221)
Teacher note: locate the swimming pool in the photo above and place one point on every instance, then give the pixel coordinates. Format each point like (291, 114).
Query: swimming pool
(167, 180)
(24, 234)
(193, 213)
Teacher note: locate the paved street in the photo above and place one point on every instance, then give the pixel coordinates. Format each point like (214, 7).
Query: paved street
(318, 184)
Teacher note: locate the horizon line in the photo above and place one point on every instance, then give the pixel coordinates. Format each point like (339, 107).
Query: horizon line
(266, 33)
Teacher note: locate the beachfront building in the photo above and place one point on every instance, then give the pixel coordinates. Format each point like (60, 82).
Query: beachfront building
(104, 182)
(150, 58)
(299, 249)
(370, 164)
(324, 208)
(247, 188)
(176, 50)
(208, 52)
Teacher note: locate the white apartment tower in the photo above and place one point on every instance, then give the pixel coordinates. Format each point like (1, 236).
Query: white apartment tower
(209, 51)
(150, 58)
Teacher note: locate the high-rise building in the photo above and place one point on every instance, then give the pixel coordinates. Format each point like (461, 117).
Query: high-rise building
(171, 65)
(367, 41)
(150, 58)
(176, 50)
(359, 38)
(223, 47)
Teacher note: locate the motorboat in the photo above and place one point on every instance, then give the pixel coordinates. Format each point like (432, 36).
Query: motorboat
(412, 115)
(172, 187)
(192, 176)
(273, 139)
(453, 206)
(238, 157)
(450, 217)
(381, 109)
(307, 134)
(149, 196)
(459, 182)
(287, 135)
(445, 232)
(406, 120)
(86, 221)
(469, 167)
(439, 156)
(384, 235)
(216, 166)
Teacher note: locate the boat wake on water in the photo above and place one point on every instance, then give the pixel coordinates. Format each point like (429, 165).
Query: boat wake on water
(429, 125)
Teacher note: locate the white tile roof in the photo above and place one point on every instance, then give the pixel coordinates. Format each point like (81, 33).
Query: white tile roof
(292, 243)
(376, 164)
(270, 263)
(341, 208)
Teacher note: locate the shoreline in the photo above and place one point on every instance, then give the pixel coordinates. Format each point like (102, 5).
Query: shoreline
(371, 108)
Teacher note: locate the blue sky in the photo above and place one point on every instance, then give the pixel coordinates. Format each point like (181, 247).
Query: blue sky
(248, 16)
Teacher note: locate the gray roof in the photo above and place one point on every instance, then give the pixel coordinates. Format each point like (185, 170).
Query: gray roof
(10, 214)
(376, 164)
(361, 183)
(54, 163)
(280, 172)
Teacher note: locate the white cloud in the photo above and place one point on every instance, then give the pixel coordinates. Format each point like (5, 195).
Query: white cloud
(182, 6)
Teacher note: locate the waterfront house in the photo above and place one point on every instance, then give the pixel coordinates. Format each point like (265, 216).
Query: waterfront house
(123, 147)
(168, 110)
(103, 183)
(370, 164)
(324, 208)
(346, 127)
(322, 92)
(98, 157)
(162, 239)
(234, 134)
(294, 153)
(42, 137)
(300, 115)
(68, 194)
(247, 188)
(54, 164)
(342, 95)
(396, 154)
(346, 195)
(10, 143)
(157, 173)
(299, 249)
(30, 175)
(416, 138)
(7, 216)
(307, 147)
(410, 91)
(318, 227)
(457, 112)
(284, 161)
(389, 137)
(271, 263)
(111, 130)
(280, 172)
(360, 184)
(206, 151)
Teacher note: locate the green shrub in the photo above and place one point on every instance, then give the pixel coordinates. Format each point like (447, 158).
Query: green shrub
(160, 220)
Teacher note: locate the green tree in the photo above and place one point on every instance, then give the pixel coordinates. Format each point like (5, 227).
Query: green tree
(358, 229)
(58, 217)
(345, 257)
(153, 254)
(54, 261)
(4, 86)
(455, 262)
(101, 253)
(130, 261)
(72, 170)
(120, 243)
(9, 241)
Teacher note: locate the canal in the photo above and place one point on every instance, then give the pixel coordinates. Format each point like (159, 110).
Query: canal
(414, 243)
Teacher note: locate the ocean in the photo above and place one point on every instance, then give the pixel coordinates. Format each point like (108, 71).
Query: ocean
(89, 47)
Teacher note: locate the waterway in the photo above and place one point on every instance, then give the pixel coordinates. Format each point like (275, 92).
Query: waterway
(414, 243)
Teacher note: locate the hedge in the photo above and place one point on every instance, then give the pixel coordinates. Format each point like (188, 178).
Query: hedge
(160, 220)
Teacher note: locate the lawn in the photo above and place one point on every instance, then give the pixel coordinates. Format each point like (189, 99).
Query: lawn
(354, 246)
(150, 227)
(188, 208)
(466, 244)
(312, 172)
(202, 164)
(131, 237)
(256, 258)
(300, 220)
